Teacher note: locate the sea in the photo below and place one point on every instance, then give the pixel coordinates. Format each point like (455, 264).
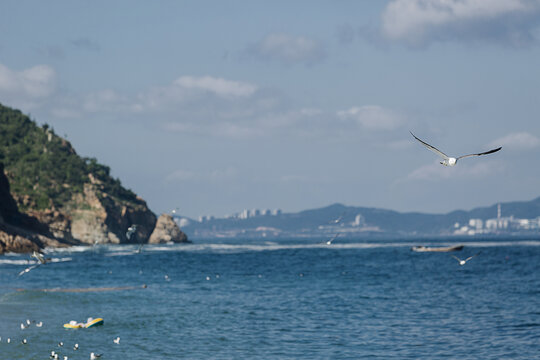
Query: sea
(283, 299)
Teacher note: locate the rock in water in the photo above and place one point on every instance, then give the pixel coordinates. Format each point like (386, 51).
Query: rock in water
(167, 230)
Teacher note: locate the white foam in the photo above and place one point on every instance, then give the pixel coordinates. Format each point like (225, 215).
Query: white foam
(17, 262)
(130, 249)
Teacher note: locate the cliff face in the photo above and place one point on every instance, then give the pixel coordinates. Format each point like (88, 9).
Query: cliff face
(67, 197)
(96, 217)
(19, 232)
(8, 206)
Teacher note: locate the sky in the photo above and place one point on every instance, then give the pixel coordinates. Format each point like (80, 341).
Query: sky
(212, 107)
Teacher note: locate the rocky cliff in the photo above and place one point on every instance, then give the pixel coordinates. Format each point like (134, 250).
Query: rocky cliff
(51, 191)
(20, 232)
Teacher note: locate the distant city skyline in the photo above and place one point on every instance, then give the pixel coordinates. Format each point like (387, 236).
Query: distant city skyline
(211, 107)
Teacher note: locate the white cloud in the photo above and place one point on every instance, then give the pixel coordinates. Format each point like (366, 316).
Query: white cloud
(180, 175)
(418, 22)
(436, 171)
(190, 89)
(106, 100)
(289, 49)
(209, 175)
(517, 141)
(218, 86)
(27, 87)
(372, 117)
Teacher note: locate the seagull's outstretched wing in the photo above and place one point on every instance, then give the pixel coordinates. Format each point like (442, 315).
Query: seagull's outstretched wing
(458, 259)
(432, 148)
(332, 239)
(470, 257)
(483, 153)
(28, 269)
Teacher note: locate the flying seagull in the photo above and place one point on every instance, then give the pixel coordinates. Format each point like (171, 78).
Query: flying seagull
(463, 262)
(338, 220)
(39, 257)
(131, 230)
(28, 269)
(329, 242)
(451, 161)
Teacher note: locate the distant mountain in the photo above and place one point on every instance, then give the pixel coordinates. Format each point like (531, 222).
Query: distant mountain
(354, 221)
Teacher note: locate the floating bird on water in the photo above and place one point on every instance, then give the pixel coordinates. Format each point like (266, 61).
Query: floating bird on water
(23, 326)
(39, 324)
(94, 356)
(24, 342)
(76, 347)
(463, 262)
(117, 340)
(60, 344)
(451, 161)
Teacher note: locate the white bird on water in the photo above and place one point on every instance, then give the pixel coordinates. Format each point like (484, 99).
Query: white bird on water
(451, 161)
(463, 262)
(117, 340)
(94, 356)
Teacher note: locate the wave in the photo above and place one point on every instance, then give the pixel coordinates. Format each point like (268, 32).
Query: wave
(27, 262)
(130, 249)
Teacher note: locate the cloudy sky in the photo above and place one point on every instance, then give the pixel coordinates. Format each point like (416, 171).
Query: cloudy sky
(216, 106)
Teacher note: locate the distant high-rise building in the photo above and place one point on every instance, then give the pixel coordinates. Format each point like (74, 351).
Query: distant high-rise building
(244, 214)
(254, 212)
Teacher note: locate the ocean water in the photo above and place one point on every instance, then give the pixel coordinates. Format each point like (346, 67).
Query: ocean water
(276, 300)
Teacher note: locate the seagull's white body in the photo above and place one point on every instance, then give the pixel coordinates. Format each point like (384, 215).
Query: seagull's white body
(451, 161)
(117, 340)
(463, 262)
(329, 242)
(39, 257)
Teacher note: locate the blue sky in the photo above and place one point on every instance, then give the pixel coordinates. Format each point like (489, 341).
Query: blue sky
(216, 106)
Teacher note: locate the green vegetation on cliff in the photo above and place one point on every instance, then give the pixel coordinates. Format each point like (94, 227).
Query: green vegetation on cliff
(43, 168)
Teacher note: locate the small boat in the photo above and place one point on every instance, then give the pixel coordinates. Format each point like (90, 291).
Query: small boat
(437, 249)
(94, 322)
(91, 322)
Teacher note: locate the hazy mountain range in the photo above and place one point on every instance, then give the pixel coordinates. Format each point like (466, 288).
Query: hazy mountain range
(355, 221)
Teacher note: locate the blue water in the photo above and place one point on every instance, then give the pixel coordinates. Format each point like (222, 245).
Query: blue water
(286, 300)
